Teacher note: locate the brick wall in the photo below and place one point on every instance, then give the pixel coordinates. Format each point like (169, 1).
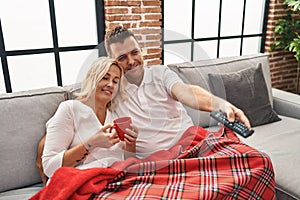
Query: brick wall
(283, 65)
(144, 18)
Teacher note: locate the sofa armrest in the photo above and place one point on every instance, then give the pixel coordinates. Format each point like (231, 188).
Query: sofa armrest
(286, 103)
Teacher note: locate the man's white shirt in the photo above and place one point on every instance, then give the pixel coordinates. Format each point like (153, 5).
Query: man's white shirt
(161, 120)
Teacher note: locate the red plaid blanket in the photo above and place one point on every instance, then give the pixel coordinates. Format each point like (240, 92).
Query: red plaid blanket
(203, 165)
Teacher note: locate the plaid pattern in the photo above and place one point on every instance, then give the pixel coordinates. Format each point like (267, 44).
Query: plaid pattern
(213, 166)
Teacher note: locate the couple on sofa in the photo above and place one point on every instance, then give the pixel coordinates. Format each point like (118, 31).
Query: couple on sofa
(154, 98)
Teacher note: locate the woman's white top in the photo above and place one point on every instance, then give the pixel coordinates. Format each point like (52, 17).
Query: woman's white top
(72, 124)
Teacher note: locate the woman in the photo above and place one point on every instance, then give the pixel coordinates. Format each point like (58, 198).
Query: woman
(77, 134)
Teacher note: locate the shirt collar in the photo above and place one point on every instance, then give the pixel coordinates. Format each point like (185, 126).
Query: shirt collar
(147, 76)
(131, 88)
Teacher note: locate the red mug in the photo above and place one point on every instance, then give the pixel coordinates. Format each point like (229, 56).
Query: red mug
(120, 126)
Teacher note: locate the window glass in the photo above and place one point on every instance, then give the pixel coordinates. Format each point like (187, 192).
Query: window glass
(206, 24)
(177, 53)
(251, 45)
(74, 65)
(206, 18)
(26, 24)
(177, 19)
(76, 22)
(2, 83)
(230, 47)
(32, 71)
(205, 50)
(254, 16)
(232, 16)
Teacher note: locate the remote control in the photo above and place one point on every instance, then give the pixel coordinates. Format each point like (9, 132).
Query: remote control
(236, 126)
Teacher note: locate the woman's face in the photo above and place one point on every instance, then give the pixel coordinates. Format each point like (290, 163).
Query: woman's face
(107, 87)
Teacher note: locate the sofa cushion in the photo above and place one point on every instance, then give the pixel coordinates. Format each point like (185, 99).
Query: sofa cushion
(22, 193)
(286, 103)
(22, 121)
(72, 89)
(247, 90)
(280, 140)
(196, 73)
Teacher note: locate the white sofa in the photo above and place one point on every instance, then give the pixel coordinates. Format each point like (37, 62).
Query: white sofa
(24, 114)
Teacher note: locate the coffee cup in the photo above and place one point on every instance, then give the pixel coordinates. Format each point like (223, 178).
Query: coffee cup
(120, 126)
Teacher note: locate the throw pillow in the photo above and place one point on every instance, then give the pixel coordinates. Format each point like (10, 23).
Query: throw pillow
(247, 90)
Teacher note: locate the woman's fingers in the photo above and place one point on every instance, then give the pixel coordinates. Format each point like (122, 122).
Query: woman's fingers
(106, 126)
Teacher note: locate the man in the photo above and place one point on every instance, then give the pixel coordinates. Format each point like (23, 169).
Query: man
(155, 99)
(156, 95)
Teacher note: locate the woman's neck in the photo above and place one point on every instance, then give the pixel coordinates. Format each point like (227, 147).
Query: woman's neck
(101, 113)
(100, 110)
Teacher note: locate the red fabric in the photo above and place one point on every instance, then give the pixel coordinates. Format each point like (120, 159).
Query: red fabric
(72, 183)
(202, 165)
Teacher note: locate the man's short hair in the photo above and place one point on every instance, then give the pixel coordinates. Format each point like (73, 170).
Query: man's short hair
(117, 34)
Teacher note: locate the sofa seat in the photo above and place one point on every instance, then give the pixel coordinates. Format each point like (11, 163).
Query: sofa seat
(278, 139)
(22, 193)
(281, 143)
(24, 114)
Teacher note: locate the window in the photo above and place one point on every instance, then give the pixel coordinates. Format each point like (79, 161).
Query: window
(212, 29)
(49, 42)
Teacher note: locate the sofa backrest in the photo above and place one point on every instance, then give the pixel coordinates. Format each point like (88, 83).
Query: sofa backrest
(22, 124)
(196, 73)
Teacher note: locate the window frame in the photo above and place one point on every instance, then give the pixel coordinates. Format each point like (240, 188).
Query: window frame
(192, 39)
(100, 25)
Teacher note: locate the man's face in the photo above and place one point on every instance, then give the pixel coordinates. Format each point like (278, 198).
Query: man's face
(129, 57)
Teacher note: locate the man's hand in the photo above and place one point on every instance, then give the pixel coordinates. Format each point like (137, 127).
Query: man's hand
(38, 162)
(198, 98)
(235, 113)
(130, 141)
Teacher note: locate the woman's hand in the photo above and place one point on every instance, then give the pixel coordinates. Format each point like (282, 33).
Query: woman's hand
(102, 138)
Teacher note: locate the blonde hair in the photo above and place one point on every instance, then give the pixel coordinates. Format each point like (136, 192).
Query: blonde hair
(98, 70)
